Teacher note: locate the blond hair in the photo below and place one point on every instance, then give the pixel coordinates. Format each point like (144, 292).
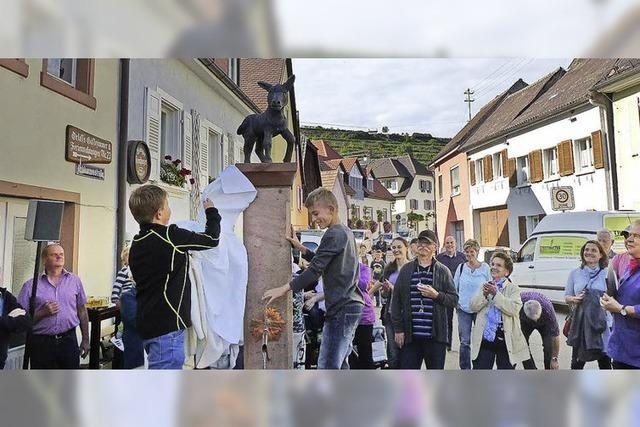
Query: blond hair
(473, 244)
(145, 202)
(321, 195)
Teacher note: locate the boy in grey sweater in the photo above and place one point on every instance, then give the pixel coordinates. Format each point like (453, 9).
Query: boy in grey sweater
(336, 261)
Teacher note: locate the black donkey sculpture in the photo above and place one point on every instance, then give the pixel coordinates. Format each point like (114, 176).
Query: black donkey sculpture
(259, 129)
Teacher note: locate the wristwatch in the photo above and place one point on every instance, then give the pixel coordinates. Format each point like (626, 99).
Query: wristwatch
(623, 310)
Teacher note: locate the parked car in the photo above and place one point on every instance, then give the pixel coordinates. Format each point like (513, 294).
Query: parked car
(311, 238)
(545, 259)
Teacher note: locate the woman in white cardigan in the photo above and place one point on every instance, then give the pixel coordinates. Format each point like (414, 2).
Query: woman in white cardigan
(497, 336)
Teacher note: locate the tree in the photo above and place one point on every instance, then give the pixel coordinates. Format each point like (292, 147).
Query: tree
(413, 219)
(379, 215)
(385, 129)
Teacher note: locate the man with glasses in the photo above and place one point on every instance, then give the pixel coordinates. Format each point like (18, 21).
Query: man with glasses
(423, 292)
(452, 259)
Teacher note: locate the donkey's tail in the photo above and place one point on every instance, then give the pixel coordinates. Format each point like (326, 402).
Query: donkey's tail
(243, 126)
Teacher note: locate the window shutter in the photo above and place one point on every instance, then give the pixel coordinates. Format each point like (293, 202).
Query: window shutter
(204, 156)
(488, 168)
(522, 228)
(505, 166)
(565, 158)
(535, 166)
(472, 172)
(598, 149)
(152, 131)
(187, 140)
(511, 172)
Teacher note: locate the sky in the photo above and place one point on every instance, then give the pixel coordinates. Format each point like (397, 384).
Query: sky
(406, 95)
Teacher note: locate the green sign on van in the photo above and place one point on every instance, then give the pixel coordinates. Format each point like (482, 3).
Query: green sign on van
(561, 246)
(617, 223)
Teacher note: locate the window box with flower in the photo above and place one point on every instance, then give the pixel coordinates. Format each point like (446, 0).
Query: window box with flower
(173, 174)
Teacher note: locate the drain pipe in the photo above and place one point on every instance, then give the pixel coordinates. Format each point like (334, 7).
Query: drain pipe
(601, 100)
(123, 135)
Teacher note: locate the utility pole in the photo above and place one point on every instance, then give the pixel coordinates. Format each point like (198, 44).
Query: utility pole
(469, 100)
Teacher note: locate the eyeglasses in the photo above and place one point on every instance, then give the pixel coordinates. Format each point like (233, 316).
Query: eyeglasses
(393, 248)
(423, 244)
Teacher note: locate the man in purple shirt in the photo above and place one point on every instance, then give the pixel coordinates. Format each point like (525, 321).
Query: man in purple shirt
(537, 314)
(452, 259)
(59, 309)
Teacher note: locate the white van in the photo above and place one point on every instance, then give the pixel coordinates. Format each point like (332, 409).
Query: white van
(545, 259)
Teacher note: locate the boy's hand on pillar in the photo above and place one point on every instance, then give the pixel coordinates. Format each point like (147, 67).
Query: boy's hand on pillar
(275, 293)
(293, 240)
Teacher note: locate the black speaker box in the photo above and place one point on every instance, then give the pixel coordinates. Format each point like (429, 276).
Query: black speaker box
(44, 220)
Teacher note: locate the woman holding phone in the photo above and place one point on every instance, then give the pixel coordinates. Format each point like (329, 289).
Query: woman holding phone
(400, 250)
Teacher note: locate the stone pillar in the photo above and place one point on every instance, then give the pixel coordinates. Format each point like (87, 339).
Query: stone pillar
(266, 222)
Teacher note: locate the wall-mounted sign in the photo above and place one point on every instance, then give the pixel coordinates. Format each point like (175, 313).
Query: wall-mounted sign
(138, 162)
(83, 147)
(90, 171)
(562, 199)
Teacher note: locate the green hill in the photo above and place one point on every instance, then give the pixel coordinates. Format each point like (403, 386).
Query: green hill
(355, 143)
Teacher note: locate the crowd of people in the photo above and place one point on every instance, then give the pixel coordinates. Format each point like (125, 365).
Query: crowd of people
(421, 288)
(337, 289)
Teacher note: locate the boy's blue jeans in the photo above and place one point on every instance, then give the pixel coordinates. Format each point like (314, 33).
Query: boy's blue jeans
(166, 351)
(337, 336)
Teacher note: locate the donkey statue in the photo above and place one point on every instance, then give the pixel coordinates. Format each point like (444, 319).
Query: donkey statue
(259, 129)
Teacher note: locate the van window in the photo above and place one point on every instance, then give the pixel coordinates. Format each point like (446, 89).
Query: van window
(561, 246)
(358, 234)
(527, 252)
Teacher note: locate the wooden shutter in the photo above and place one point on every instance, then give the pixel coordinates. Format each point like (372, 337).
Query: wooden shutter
(598, 149)
(505, 159)
(488, 168)
(511, 172)
(472, 172)
(203, 173)
(187, 140)
(152, 131)
(565, 158)
(522, 228)
(536, 173)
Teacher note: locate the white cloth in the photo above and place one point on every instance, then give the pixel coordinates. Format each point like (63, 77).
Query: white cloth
(219, 276)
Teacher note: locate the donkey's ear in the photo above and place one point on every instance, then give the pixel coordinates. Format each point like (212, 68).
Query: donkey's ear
(266, 86)
(289, 83)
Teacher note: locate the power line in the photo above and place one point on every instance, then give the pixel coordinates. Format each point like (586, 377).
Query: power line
(507, 71)
(480, 83)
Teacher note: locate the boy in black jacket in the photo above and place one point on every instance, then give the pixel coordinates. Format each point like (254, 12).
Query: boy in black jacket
(13, 318)
(159, 262)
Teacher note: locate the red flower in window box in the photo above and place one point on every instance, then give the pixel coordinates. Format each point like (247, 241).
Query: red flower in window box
(167, 157)
(177, 162)
(184, 172)
(192, 181)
